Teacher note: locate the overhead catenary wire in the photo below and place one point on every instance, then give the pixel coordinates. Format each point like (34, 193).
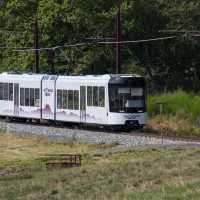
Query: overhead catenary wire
(113, 15)
(137, 41)
(184, 31)
(188, 20)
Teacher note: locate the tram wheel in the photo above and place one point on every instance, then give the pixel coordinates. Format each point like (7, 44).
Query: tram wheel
(53, 123)
(11, 119)
(107, 128)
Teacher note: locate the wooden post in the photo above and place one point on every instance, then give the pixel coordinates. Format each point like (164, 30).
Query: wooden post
(160, 106)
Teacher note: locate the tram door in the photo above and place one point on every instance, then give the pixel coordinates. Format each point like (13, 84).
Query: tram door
(16, 99)
(82, 104)
(49, 97)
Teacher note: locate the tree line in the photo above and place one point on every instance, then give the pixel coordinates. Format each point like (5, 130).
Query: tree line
(168, 65)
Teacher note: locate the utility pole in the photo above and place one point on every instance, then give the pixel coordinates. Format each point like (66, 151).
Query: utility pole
(36, 46)
(118, 44)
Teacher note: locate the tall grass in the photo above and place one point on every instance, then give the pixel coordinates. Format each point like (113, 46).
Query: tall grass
(181, 113)
(174, 101)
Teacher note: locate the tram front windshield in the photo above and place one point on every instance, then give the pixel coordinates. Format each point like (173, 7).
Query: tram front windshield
(126, 97)
(127, 94)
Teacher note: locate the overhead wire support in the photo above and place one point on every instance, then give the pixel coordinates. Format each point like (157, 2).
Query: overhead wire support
(51, 48)
(100, 38)
(1, 47)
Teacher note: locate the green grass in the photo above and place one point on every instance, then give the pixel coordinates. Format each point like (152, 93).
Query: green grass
(174, 101)
(180, 114)
(134, 174)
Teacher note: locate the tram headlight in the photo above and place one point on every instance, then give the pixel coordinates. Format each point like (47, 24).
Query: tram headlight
(140, 111)
(121, 111)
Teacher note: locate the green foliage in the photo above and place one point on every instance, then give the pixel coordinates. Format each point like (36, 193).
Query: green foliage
(168, 64)
(178, 103)
(180, 112)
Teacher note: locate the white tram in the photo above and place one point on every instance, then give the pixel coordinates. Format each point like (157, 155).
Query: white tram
(116, 102)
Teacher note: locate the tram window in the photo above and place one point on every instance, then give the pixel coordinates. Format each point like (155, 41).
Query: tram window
(65, 99)
(5, 91)
(70, 99)
(46, 78)
(1, 91)
(53, 78)
(136, 97)
(37, 97)
(32, 97)
(10, 91)
(136, 91)
(123, 96)
(89, 96)
(27, 97)
(95, 96)
(101, 96)
(59, 99)
(112, 96)
(76, 99)
(21, 96)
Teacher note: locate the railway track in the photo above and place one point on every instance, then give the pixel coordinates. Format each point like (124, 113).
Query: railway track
(95, 129)
(158, 136)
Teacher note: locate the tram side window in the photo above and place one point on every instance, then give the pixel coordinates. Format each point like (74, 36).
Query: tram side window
(1, 91)
(21, 96)
(6, 91)
(10, 91)
(5, 88)
(59, 99)
(101, 96)
(37, 97)
(89, 96)
(113, 97)
(64, 99)
(70, 99)
(95, 96)
(31, 97)
(76, 99)
(27, 97)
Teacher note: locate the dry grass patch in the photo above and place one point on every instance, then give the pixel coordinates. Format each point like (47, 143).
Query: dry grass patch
(137, 174)
(172, 126)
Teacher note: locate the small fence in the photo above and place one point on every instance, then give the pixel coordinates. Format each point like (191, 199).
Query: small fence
(63, 161)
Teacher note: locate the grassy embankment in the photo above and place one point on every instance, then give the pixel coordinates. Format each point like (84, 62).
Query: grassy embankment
(137, 174)
(180, 115)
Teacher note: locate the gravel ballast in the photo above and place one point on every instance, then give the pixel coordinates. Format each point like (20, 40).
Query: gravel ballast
(82, 135)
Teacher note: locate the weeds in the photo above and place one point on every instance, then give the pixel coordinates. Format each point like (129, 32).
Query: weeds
(4, 129)
(180, 114)
(74, 134)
